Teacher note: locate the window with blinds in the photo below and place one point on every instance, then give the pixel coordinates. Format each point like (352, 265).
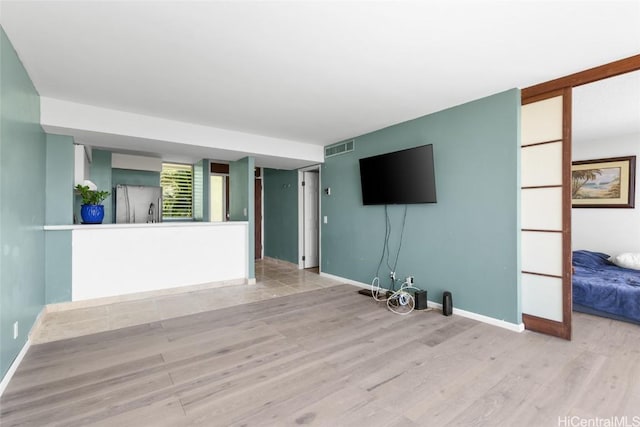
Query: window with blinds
(177, 191)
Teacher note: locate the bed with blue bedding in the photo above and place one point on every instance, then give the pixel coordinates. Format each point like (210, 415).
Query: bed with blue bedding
(602, 288)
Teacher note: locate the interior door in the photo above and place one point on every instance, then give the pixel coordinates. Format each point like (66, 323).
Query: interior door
(311, 217)
(546, 213)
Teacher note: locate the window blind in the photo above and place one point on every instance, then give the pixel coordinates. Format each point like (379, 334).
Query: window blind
(177, 190)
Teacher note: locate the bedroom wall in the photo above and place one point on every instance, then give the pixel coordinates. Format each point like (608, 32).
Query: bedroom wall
(22, 204)
(467, 243)
(612, 231)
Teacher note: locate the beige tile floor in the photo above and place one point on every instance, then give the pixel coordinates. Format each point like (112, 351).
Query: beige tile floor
(273, 279)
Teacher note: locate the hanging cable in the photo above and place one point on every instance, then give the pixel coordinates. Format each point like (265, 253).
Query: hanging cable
(385, 243)
(404, 220)
(401, 301)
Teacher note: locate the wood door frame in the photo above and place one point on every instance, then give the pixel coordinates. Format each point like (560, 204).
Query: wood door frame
(564, 86)
(301, 215)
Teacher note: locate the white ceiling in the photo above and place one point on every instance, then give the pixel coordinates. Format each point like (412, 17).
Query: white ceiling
(310, 72)
(606, 108)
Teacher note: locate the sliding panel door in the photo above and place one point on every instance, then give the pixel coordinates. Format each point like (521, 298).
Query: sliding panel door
(546, 213)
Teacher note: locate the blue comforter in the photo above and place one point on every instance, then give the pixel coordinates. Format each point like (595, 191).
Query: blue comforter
(603, 286)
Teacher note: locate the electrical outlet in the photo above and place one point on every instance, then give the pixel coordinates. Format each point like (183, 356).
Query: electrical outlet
(410, 280)
(15, 330)
(392, 275)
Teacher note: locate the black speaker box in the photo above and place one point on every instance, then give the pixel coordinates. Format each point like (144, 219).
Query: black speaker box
(447, 304)
(421, 300)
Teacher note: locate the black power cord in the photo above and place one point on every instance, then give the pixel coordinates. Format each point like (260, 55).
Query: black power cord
(385, 248)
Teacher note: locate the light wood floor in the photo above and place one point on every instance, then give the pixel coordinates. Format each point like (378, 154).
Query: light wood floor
(274, 279)
(326, 357)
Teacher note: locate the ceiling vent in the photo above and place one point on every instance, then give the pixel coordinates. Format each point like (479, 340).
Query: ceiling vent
(339, 148)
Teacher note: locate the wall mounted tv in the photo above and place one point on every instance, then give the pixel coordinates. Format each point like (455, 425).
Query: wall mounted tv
(400, 177)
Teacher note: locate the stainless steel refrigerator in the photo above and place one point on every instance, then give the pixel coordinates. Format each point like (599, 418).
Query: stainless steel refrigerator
(138, 204)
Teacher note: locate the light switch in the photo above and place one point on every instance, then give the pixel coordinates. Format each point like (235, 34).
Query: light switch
(245, 211)
(325, 219)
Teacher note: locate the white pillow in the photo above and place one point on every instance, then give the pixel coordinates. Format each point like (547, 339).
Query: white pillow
(627, 260)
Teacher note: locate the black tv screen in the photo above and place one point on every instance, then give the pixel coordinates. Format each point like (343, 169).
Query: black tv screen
(400, 177)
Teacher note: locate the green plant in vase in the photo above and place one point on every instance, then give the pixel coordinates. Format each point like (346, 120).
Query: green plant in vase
(92, 210)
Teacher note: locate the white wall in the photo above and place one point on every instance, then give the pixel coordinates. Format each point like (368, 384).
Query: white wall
(119, 259)
(603, 229)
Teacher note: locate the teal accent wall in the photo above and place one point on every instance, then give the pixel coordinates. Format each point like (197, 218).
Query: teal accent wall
(241, 195)
(22, 204)
(58, 266)
(280, 189)
(134, 177)
(59, 181)
(201, 190)
(467, 243)
(101, 176)
(59, 211)
(206, 190)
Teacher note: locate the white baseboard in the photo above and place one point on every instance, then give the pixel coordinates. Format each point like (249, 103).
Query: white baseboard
(14, 367)
(16, 362)
(347, 281)
(515, 327)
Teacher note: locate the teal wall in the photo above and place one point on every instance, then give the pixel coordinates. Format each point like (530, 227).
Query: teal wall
(59, 180)
(206, 190)
(280, 189)
(241, 195)
(59, 211)
(101, 176)
(467, 243)
(201, 190)
(22, 204)
(58, 266)
(134, 177)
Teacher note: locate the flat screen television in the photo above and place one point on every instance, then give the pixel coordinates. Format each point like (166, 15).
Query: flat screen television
(400, 177)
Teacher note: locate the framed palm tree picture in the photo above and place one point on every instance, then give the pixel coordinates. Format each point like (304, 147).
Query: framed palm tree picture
(603, 183)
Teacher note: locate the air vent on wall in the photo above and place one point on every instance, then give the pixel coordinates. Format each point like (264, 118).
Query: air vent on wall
(339, 148)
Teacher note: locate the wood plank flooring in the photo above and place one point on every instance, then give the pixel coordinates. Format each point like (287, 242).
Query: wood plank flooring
(327, 357)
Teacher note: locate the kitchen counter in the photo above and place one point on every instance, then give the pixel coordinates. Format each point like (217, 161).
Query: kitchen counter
(117, 259)
(155, 224)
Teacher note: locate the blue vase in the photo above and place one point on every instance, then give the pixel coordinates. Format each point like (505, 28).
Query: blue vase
(92, 214)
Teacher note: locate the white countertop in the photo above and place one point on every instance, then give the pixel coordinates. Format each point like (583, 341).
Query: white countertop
(153, 225)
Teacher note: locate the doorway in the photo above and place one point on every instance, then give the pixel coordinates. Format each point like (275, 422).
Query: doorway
(219, 194)
(309, 217)
(604, 222)
(550, 104)
(219, 200)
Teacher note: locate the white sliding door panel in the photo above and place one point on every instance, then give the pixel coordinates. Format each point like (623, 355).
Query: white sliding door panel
(542, 165)
(544, 185)
(542, 209)
(542, 296)
(542, 252)
(542, 121)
